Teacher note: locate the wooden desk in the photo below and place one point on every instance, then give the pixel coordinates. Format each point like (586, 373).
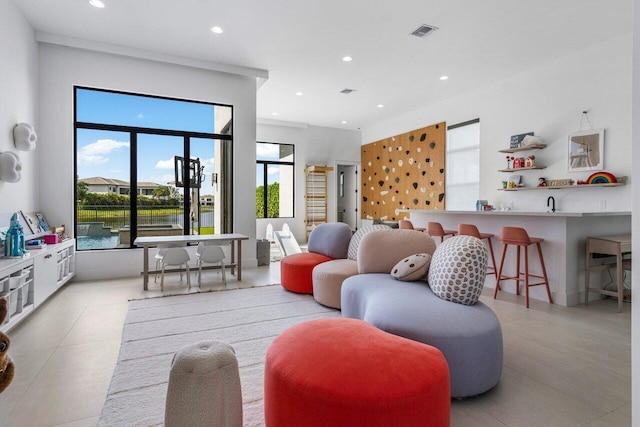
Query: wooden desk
(607, 245)
(148, 241)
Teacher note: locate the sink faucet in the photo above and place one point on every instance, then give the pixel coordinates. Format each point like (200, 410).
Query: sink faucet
(553, 203)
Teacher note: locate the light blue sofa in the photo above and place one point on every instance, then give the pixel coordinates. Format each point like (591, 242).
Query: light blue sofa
(470, 337)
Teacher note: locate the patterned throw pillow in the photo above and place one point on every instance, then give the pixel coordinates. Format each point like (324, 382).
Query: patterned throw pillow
(411, 268)
(357, 237)
(458, 269)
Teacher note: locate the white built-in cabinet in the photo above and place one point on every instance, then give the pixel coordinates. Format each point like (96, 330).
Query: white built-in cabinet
(27, 282)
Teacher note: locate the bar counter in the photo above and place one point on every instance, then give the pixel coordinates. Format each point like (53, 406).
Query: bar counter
(565, 235)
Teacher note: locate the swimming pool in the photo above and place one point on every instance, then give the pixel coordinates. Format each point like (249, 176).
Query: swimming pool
(97, 242)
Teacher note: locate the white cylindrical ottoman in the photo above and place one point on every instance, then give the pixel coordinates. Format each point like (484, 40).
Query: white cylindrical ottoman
(204, 387)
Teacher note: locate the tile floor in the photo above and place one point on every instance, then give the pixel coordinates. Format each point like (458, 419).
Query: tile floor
(562, 366)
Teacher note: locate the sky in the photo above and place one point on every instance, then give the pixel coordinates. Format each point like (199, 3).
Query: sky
(106, 153)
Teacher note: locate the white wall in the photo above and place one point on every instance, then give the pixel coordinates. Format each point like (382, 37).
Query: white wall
(61, 68)
(314, 145)
(547, 99)
(18, 91)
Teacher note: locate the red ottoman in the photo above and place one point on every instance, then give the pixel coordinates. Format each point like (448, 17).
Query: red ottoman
(295, 271)
(346, 372)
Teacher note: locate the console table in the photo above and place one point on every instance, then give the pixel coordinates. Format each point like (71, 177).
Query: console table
(607, 245)
(148, 241)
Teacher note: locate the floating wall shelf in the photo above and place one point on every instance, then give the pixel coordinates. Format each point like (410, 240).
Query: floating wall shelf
(526, 148)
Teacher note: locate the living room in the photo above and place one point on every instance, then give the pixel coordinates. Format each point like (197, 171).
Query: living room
(41, 67)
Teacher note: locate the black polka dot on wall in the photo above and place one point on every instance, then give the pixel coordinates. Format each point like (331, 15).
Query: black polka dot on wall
(397, 180)
(423, 137)
(441, 197)
(441, 170)
(415, 185)
(432, 145)
(424, 173)
(408, 174)
(380, 183)
(432, 183)
(415, 201)
(411, 138)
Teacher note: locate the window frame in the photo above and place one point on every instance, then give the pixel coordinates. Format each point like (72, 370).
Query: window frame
(265, 164)
(475, 147)
(134, 131)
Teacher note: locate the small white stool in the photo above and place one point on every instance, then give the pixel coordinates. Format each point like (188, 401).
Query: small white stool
(204, 387)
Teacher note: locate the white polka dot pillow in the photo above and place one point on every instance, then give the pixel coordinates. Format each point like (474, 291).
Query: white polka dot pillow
(458, 269)
(411, 268)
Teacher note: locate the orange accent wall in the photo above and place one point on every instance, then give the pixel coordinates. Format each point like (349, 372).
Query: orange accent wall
(404, 171)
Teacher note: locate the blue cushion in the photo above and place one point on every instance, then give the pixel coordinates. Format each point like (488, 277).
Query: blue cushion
(330, 239)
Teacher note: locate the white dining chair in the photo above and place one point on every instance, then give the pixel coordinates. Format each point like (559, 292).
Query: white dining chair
(162, 249)
(175, 257)
(210, 254)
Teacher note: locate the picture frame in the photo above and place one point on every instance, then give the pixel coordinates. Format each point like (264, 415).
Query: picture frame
(42, 223)
(29, 223)
(586, 151)
(516, 140)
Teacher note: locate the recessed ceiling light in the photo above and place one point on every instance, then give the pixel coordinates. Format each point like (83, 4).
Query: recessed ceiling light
(344, 122)
(96, 3)
(380, 105)
(274, 114)
(444, 77)
(347, 59)
(217, 30)
(299, 93)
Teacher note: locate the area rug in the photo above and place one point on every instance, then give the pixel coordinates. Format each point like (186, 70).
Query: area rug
(248, 319)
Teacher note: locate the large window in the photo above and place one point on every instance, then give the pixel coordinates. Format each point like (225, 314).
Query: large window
(274, 180)
(463, 166)
(149, 166)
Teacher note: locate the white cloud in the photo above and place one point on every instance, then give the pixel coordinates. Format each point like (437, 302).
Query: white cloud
(141, 116)
(96, 153)
(272, 170)
(166, 164)
(269, 151)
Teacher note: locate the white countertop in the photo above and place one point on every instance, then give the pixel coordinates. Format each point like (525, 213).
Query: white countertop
(522, 213)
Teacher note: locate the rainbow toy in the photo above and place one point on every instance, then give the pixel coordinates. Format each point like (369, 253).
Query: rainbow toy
(601, 178)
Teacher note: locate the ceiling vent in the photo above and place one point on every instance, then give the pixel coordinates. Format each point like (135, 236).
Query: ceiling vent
(423, 30)
(347, 91)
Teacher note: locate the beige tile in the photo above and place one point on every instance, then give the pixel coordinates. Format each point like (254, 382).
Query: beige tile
(45, 328)
(27, 367)
(621, 417)
(518, 400)
(97, 323)
(71, 386)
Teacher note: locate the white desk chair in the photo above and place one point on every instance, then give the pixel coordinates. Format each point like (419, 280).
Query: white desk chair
(176, 257)
(162, 249)
(211, 254)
